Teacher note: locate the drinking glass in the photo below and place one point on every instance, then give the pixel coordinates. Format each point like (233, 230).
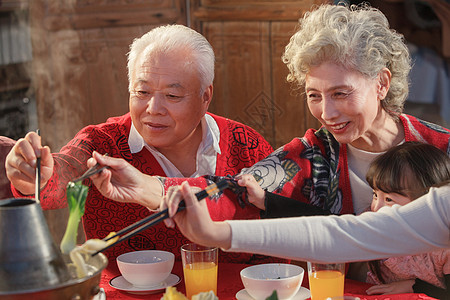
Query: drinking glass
(326, 280)
(199, 268)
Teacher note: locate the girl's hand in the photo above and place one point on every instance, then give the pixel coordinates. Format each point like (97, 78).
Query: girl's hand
(195, 222)
(256, 194)
(398, 287)
(124, 183)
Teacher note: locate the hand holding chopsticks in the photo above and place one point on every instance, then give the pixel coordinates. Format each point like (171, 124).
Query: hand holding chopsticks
(154, 219)
(91, 171)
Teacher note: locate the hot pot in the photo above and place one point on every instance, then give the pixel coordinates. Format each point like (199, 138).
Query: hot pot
(31, 265)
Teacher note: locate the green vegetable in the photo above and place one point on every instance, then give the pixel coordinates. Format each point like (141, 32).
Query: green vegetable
(274, 296)
(76, 197)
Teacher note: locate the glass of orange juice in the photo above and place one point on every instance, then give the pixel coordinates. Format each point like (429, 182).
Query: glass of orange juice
(326, 280)
(199, 268)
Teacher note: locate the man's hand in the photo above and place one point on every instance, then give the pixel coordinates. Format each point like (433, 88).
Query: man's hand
(124, 183)
(20, 163)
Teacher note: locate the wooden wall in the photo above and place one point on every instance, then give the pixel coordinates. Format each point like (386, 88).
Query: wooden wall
(79, 58)
(79, 61)
(249, 38)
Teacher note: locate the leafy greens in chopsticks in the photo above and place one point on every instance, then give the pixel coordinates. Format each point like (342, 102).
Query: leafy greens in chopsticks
(76, 197)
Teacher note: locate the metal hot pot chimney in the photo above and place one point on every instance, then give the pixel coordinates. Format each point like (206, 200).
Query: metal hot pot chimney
(31, 265)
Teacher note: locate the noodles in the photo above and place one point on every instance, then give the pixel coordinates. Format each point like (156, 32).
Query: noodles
(80, 254)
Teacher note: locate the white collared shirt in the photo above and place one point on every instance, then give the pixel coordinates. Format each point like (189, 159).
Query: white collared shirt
(206, 153)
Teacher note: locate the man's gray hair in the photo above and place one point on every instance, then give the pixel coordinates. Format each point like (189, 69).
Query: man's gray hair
(175, 37)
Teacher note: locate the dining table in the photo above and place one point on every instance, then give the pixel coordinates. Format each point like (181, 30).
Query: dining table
(229, 284)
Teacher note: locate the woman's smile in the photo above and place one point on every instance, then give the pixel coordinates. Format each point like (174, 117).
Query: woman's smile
(340, 127)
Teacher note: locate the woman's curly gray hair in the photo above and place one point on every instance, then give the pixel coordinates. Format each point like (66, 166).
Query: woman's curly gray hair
(357, 37)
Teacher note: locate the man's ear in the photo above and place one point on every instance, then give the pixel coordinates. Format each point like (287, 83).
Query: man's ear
(207, 95)
(384, 82)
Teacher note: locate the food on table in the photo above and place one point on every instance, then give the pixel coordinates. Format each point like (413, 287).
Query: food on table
(172, 294)
(274, 296)
(205, 296)
(76, 198)
(79, 254)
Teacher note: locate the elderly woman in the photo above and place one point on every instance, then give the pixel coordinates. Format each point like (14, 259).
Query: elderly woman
(354, 71)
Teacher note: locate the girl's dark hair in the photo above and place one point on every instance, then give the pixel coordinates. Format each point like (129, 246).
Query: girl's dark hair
(409, 169)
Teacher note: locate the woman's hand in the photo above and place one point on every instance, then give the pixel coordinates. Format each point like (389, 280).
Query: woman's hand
(20, 163)
(256, 194)
(398, 287)
(195, 222)
(124, 183)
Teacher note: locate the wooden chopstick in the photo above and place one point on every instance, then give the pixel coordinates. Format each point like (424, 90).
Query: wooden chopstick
(154, 219)
(91, 171)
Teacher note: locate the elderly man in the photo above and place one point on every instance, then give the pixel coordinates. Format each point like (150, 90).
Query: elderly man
(167, 132)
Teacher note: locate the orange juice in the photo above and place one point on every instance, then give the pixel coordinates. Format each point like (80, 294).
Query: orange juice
(200, 277)
(326, 283)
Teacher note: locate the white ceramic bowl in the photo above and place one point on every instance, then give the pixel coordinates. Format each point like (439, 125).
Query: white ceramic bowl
(261, 280)
(146, 268)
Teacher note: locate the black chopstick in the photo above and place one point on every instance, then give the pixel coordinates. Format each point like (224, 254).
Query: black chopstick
(154, 219)
(91, 171)
(37, 188)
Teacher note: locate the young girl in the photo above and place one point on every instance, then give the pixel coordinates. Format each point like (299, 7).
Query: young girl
(400, 176)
